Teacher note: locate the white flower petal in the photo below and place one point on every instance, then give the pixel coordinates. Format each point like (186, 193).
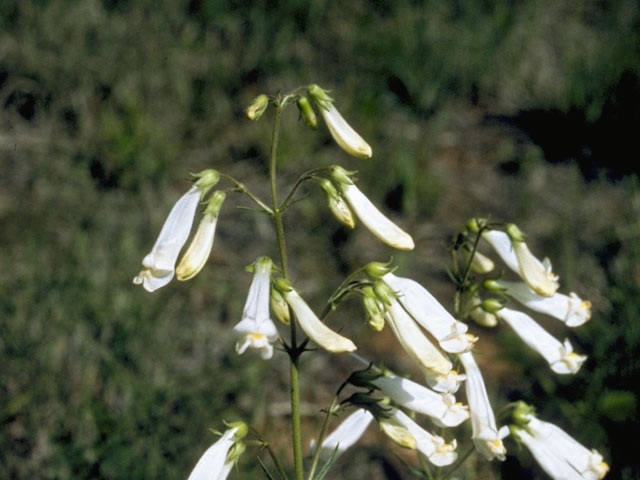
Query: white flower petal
(375, 221)
(159, 264)
(485, 435)
(555, 466)
(517, 257)
(314, 328)
(441, 407)
(570, 309)
(588, 463)
(431, 315)
(414, 342)
(213, 464)
(343, 134)
(346, 434)
(561, 358)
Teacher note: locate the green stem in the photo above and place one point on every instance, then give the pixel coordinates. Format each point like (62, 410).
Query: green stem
(241, 187)
(325, 427)
(293, 351)
(301, 179)
(321, 436)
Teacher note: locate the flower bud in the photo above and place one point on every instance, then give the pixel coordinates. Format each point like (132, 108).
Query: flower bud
(384, 292)
(374, 309)
(364, 378)
(199, 250)
(522, 413)
(337, 204)
(480, 264)
(345, 136)
(257, 107)
(307, 113)
(493, 285)
(280, 307)
(377, 270)
(475, 224)
(492, 305)
(515, 234)
(480, 316)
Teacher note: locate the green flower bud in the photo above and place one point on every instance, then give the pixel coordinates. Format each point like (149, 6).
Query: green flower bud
(373, 308)
(235, 451)
(364, 378)
(493, 286)
(307, 113)
(280, 307)
(257, 107)
(475, 224)
(492, 305)
(337, 204)
(515, 234)
(522, 412)
(384, 292)
(377, 270)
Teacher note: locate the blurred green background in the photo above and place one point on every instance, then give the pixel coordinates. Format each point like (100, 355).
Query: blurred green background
(525, 111)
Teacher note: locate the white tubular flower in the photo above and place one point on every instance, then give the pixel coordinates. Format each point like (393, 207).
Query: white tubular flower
(431, 315)
(369, 215)
(344, 135)
(501, 243)
(159, 264)
(441, 407)
(516, 255)
(256, 328)
(437, 368)
(485, 435)
(340, 130)
(561, 357)
(214, 464)
(198, 252)
(555, 466)
(431, 446)
(347, 434)
(559, 454)
(314, 328)
(570, 309)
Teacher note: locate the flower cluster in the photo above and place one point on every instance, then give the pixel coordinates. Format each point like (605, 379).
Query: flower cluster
(439, 342)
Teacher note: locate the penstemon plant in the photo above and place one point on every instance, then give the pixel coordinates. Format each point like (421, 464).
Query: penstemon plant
(438, 341)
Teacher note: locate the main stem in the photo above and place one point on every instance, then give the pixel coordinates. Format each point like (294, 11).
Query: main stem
(293, 351)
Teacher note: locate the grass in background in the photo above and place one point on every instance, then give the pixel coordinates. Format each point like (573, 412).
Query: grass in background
(107, 105)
